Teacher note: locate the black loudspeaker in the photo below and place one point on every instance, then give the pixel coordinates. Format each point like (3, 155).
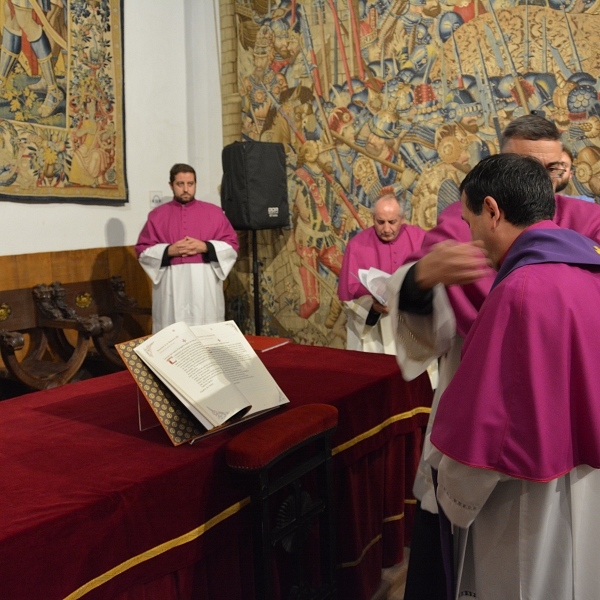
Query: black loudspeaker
(254, 186)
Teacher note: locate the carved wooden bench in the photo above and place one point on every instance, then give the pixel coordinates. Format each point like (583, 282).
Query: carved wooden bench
(106, 297)
(33, 313)
(60, 321)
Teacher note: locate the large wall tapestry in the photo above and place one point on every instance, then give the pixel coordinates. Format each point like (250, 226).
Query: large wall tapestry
(61, 101)
(404, 93)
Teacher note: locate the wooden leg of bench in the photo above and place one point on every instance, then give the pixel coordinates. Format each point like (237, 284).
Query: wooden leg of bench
(74, 363)
(105, 344)
(107, 350)
(59, 344)
(36, 373)
(38, 344)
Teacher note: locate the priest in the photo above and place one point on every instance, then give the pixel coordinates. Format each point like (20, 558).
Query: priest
(517, 432)
(384, 246)
(187, 247)
(439, 292)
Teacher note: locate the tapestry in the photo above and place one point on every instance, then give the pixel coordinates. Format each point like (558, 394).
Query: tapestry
(61, 101)
(400, 94)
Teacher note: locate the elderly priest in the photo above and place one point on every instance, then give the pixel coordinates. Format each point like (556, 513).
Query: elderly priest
(384, 246)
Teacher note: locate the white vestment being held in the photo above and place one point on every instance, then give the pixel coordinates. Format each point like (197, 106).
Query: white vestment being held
(420, 341)
(378, 338)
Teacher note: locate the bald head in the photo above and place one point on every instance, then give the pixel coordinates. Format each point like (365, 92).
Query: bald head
(388, 217)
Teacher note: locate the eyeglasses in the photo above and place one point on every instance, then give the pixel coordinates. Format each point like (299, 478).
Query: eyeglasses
(556, 171)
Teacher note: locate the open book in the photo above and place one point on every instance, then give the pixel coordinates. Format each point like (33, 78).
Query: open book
(211, 369)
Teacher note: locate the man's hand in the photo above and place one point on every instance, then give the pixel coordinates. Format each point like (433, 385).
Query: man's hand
(380, 308)
(451, 263)
(188, 246)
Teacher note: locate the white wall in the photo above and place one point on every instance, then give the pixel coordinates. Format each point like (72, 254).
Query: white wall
(162, 85)
(205, 140)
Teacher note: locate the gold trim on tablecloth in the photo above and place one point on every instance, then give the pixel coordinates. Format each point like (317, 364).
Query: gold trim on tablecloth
(157, 550)
(380, 427)
(195, 533)
(363, 553)
(394, 517)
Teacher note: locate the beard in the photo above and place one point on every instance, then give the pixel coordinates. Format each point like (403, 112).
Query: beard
(470, 127)
(561, 185)
(325, 167)
(283, 52)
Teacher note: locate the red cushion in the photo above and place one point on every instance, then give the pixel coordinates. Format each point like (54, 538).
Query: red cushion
(258, 446)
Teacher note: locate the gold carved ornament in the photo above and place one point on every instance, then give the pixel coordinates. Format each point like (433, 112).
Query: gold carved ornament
(5, 311)
(84, 300)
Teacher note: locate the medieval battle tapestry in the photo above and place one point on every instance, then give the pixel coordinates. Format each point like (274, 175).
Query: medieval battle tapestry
(401, 94)
(61, 101)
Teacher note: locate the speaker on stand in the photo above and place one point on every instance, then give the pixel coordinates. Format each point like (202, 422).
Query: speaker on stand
(254, 196)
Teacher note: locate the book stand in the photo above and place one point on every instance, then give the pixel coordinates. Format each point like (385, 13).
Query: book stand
(146, 417)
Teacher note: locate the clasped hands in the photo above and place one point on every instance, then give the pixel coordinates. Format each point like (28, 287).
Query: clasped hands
(188, 246)
(452, 263)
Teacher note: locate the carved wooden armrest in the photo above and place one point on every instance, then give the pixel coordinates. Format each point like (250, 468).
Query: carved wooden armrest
(122, 302)
(11, 340)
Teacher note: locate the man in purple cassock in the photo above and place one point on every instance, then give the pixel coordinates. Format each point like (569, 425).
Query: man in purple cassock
(187, 247)
(517, 432)
(384, 246)
(439, 292)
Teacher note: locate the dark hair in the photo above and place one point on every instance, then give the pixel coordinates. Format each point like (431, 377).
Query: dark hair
(180, 168)
(519, 184)
(568, 152)
(529, 127)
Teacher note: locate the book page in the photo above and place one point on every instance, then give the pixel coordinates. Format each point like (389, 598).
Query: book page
(241, 365)
(189, 369)
(375, 281)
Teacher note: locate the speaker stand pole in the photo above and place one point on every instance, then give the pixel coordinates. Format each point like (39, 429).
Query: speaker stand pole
(255, 265)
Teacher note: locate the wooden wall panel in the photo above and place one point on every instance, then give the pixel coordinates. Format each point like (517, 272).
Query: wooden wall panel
(33, 269)
(123, 261)
(8, 273)
(79, 265)
(27, 270)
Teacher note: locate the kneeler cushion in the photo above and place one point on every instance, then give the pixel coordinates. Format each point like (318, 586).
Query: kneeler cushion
(258, 446)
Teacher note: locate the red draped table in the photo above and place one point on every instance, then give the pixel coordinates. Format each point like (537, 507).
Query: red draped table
(90, 507)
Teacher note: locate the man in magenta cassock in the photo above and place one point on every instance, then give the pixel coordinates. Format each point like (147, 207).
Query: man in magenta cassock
(439, 292)
(384, 246)
(187, 247)
(517, 432)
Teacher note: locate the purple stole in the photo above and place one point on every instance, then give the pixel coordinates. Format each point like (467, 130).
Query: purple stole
(537, 246)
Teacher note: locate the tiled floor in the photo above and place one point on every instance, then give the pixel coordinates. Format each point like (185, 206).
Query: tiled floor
(393, 581)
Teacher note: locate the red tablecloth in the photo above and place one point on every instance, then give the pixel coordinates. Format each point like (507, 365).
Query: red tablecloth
(92, 507)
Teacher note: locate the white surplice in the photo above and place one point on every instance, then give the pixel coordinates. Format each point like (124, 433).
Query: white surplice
(378, 338)
(522, 540)
(189, 292)
(529, 540)
(421, 340)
